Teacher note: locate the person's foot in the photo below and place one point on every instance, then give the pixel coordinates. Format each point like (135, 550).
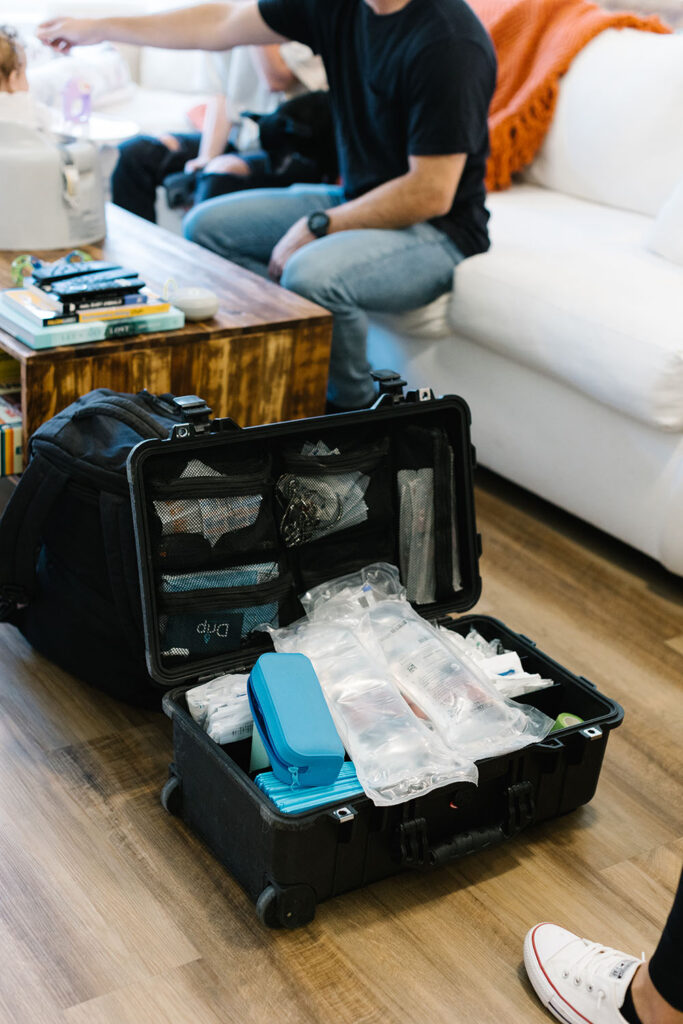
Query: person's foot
(580, 982)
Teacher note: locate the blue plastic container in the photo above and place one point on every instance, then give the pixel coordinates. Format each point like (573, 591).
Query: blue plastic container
(294, 721)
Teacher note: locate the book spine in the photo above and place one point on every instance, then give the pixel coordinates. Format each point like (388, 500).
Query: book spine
(59, 321)
(144, 325)
(50, 337)
(76, 305)
(18, 450)
(123, 312)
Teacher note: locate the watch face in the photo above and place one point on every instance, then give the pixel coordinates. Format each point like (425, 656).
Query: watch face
(318, 223)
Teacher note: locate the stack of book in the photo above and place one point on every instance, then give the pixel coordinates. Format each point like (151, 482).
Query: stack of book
(74, 303)
(11, 459)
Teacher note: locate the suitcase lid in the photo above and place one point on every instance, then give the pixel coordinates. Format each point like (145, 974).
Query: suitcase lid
(233, 524)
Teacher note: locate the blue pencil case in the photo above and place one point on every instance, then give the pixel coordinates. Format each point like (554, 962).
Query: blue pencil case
(293, 720)
(296, 801)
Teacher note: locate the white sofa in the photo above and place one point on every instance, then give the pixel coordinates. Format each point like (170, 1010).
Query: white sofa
(566, 338)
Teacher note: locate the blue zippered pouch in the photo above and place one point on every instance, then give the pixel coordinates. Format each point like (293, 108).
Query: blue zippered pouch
(297, 801)
(293, 720)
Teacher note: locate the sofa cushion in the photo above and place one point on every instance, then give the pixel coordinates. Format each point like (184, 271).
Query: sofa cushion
(616, 135)
(666, 235)
(155, 110)
(569, 289)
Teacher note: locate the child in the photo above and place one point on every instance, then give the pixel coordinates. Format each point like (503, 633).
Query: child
(16, 103)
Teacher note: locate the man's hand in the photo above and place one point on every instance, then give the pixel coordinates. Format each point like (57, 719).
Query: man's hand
(297, 236)
(63, 33)
(197, 164)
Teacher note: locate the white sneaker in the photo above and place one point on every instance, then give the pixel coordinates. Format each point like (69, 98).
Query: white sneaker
(580, 982)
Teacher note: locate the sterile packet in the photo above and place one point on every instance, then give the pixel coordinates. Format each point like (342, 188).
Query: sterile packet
(221, 707)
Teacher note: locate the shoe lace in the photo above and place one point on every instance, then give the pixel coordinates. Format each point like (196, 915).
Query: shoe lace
(594, 965)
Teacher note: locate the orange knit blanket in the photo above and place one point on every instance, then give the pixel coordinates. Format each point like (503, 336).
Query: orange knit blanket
(536, 41)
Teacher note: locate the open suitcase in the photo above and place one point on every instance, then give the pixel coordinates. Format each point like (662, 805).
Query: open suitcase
(201, 605)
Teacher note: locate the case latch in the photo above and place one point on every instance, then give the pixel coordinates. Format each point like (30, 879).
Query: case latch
(390, 383)
(413, 842)
(197, 414)
(520, 807)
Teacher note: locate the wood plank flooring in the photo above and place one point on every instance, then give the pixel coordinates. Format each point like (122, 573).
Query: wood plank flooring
(112, 913)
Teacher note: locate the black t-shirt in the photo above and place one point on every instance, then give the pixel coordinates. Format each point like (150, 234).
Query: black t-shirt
(414, 83)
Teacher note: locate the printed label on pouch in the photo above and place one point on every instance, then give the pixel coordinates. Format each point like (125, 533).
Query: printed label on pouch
(205, 633)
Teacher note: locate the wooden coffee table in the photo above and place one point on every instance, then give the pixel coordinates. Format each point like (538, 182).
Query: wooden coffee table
(263, 358)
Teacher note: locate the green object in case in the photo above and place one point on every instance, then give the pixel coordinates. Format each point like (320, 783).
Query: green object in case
(564, 720)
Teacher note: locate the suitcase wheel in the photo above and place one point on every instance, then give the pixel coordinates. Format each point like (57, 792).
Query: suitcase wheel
(286, 908)
(170, 795)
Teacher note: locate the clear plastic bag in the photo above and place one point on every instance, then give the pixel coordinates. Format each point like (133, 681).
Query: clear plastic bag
(462, 705)
(353, 594)
(397, 756)
(447, 687)
(416, 533)
(503, 668)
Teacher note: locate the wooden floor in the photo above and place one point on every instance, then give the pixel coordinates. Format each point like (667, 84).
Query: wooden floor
(111, 913)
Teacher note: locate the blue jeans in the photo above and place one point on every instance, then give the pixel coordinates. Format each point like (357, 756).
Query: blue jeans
(350, 273)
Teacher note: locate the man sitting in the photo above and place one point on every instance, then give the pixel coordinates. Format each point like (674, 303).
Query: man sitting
(410, 83)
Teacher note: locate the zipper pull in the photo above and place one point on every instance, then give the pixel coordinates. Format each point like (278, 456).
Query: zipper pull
(294, 772)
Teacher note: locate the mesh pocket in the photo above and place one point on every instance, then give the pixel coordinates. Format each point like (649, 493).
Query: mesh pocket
(416, 533)
(315, 506)
(212, 518)
(235, 576)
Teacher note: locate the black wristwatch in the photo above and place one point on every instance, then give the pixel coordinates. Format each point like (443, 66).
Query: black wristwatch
(318, 223)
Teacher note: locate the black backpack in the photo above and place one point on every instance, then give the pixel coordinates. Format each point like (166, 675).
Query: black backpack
(68, 566)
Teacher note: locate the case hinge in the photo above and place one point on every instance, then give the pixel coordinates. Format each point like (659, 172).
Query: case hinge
(197, 414)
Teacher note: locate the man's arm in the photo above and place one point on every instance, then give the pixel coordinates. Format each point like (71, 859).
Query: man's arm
(215, 134)
(427, 190)
(205, 27)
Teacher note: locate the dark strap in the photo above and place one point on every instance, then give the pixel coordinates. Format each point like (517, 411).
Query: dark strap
(21, 529)
(119, 543)
(126, 411)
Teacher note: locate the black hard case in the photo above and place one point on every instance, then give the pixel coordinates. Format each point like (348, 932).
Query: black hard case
(289, 863)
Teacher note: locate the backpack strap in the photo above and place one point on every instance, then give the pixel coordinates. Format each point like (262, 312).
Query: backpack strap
(126, 411)
(122, 566)
(21, 529)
